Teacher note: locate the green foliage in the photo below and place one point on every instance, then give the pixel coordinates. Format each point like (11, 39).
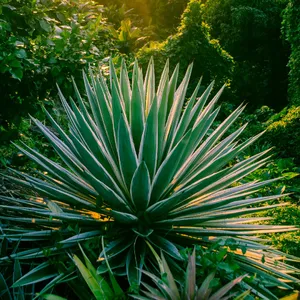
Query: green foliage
(13, 285)
(137, 170)
(162, 16)
(128, 37)
(43, 43)
(191, 43)
(283, 132)
(165, 16)
(116, 12)
(287, 170)
(250, 30)
(288, 242)
(25, 132)
(189, 286)
(283, 168)
(99, 287)
(291, 31)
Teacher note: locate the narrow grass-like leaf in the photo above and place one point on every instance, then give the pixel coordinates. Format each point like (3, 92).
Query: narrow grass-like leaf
(4, 289)
(140, 187)
(170, 278)
(18, 292)
(125, 88)
(126, 151)
(220, 293)
(134, 264)
(136, 110)
(42, 272)
(94, 286)
(149, 144)
(205, 289)
(104, 286)
(186, 117)
(190, 279)
(172, 88)
(149, 86)
(165, 246)
(176, 108)
(168, 169)
(52, 297)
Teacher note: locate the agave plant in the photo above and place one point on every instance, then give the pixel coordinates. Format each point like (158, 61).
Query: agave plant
(141, 164)
(188, 289)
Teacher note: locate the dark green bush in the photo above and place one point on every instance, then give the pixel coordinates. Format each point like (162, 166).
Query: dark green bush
(283, 132)
(250, 31)
(43, 43)
(288, 242)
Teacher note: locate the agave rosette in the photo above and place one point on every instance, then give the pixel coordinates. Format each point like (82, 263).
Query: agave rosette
(143, 164)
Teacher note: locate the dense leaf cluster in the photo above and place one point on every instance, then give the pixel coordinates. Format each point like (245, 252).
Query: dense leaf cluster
(43, 43)
(283, 132)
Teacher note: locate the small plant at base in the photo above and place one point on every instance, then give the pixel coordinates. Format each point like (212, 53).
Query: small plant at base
(138, 170)
(168, 289)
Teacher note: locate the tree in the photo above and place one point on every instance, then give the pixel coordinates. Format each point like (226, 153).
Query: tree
(162, 17)
(191, 43)
(250, 32)
(291, 31)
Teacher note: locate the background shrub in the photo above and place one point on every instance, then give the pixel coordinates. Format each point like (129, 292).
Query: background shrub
(283, 132)
(43, 43)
